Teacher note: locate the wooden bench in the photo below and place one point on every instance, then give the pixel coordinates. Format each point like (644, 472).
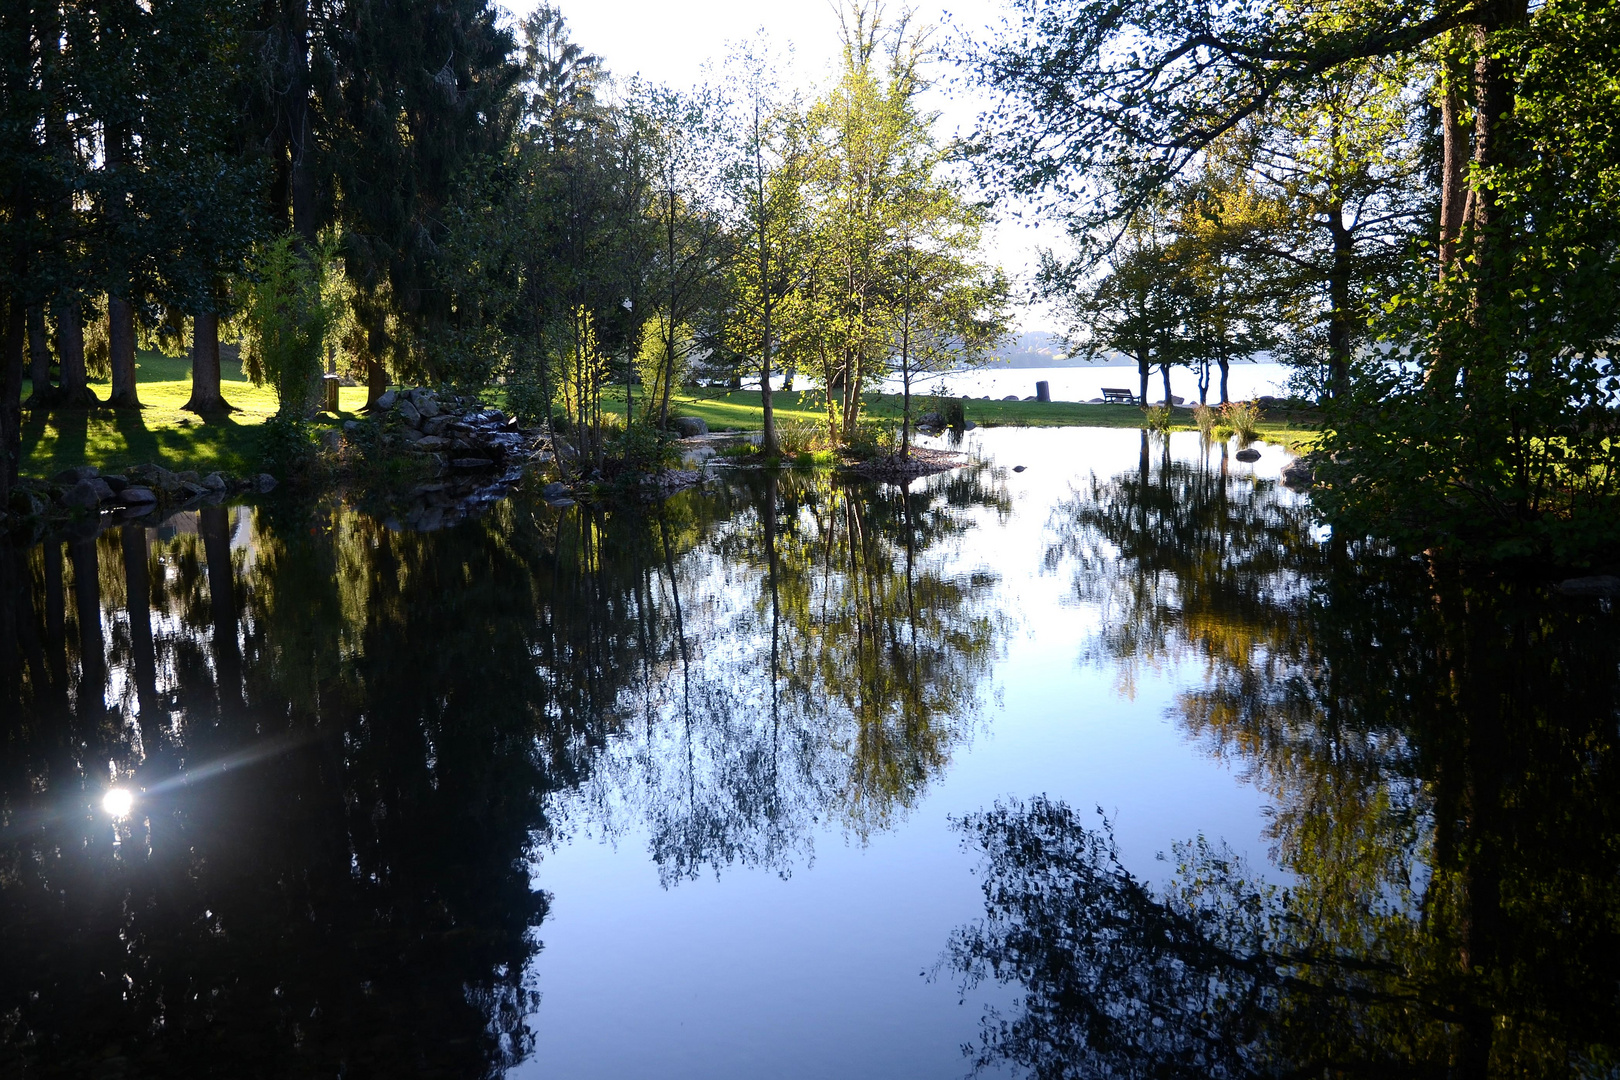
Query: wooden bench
(1114, 395)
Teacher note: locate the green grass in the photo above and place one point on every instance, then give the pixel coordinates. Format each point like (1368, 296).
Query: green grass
(740, 410)
(161, 431)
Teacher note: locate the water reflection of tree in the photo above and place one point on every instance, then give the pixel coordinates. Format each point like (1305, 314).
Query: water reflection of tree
(356, 741)
(820, 657)
(354, 896)
(1441, 751)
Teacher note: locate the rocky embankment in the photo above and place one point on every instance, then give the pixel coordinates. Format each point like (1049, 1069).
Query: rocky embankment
(459, 435)
(135, 492)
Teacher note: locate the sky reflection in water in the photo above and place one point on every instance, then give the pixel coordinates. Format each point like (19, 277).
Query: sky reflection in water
(715, 791)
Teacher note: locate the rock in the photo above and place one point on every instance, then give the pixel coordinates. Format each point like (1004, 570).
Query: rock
(332, 440)
(408, 413)
(192, 490)
(189, 476)
(554, 491)
(214, 482)
(386, 399)
(27, 503)
(104, 491)
(932, 419)
(471, 463)
(266, 482)
(560, 503)
(431, 442)
(1598, 585)
(115, 483)
(1018, 468)
(438, 424)
(1009, 397)
(137, 496)
(968, 425)
(74, 475)
(1248, 455)
(82, 496)
(688, 426)
(1299, 474)
(427, 406)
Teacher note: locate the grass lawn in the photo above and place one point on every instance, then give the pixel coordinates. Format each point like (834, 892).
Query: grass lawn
(160, 432)
(740, 409)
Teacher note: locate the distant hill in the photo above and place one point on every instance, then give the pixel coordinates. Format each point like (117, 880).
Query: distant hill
(1041, 349)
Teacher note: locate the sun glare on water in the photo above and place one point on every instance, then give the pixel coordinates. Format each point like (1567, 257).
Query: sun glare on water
(118, 802)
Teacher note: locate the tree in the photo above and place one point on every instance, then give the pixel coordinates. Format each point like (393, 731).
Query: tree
(865, 135)
(1134, 308)
(1498, 367)
(763, 176)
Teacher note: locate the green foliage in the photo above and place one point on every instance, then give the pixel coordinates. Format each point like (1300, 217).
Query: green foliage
(286, 442)
(798, 436)
(1157, 418)
(1243, 418)
(872, 439)
(1205, 418)
(284, 316)
(663, 370)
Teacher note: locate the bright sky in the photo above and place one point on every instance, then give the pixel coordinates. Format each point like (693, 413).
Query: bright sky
(669, 42)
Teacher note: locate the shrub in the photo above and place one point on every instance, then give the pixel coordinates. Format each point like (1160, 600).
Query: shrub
(798, 437)
(1243, 417)
(1205, 418)
(1158, 418)
(872, 439)
(286, 444)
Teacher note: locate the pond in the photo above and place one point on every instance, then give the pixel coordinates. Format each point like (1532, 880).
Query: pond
(1097, 757)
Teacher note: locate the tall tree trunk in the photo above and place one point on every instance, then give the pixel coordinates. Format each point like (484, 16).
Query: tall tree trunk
(74, 391)
(376, 381)
(42, 393)
(11, 373)
(1453, 170)
(300, 142)
(121, 350)
(1226, 369)
(206, 398)
(1339, 319)
(1143, 369)
(1164, 370)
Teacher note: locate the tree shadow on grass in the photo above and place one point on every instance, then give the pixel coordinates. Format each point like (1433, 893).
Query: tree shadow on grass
(117, 438)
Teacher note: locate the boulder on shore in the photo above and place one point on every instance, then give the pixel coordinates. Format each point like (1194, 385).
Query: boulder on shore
(688, 427)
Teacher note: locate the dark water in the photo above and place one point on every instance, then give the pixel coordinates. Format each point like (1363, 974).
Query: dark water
(1118, 766)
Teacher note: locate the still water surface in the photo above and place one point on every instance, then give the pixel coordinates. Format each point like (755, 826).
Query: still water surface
(1116, 765)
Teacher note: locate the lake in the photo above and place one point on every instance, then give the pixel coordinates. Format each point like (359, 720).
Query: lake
(1246, 380)
(1098, 756)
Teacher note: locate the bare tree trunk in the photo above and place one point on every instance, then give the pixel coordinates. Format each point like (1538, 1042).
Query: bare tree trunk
(74, 381)
(11, 398)
(205, 376)
(1226, 369)
(1453, 175)
(300, 143)
(1339, 319)
(1164, 370)
(39, 360)
(1143, 368)
(121, 349)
